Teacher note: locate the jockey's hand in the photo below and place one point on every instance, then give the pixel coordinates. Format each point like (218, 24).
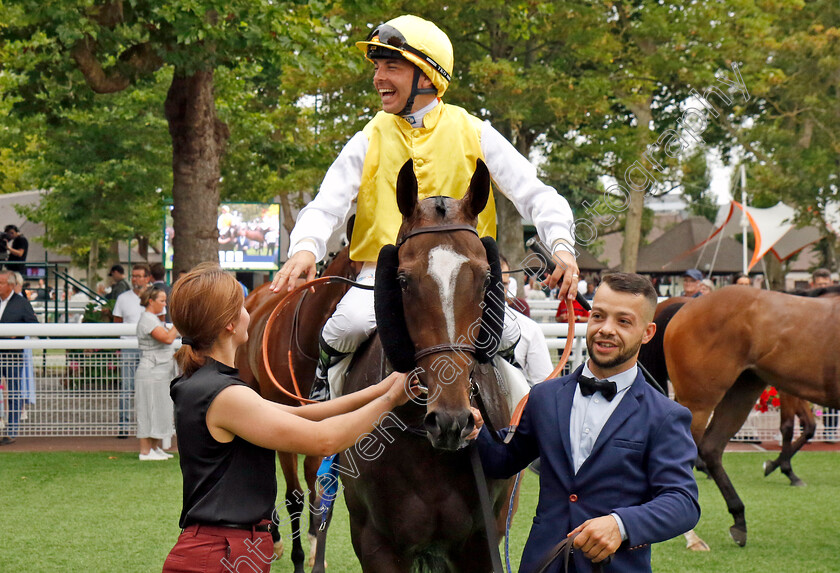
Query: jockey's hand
(599, 538)
(302, 262)
(479, 421)
(565, 271)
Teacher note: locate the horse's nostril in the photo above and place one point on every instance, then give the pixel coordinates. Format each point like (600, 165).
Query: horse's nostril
(430, 422)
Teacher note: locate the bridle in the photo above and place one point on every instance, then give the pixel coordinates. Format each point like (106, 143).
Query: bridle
(451, 346)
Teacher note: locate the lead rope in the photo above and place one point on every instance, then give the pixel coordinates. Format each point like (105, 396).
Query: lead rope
(517, 415)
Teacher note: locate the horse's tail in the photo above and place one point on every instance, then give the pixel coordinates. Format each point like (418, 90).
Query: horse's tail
(430, 561)
(652, 354)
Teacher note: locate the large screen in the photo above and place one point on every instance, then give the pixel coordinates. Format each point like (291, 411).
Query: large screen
(249, 236)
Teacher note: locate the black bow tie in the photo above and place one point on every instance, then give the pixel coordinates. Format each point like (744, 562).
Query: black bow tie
(589, 386)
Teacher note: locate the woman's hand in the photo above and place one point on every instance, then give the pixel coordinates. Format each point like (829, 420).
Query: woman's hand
(400, 388)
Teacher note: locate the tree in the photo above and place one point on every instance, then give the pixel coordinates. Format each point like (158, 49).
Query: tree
(63, 52)
(695, 181)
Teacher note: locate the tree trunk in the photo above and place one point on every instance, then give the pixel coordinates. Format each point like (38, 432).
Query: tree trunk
(635, 210)
(509, 234)
(198, 143)
(93, 264)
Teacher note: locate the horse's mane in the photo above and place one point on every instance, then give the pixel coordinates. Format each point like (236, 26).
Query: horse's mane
(816, 292)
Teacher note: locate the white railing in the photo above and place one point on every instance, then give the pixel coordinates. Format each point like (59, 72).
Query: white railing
(75, 379)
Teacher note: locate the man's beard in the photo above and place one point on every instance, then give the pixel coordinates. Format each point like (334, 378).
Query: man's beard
(612, 363)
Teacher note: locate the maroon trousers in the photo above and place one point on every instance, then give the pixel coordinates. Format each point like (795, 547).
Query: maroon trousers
(211, 549)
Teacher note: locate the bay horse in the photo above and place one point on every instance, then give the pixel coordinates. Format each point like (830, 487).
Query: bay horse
(414, 505)
(295, 330)
(754, 338)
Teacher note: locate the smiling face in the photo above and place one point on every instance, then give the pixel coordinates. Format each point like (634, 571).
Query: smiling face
(392, 79)
(619, 324)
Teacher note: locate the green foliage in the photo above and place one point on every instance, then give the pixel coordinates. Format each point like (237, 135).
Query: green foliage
(695, 180)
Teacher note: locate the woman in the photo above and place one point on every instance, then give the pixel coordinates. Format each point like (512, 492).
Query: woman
(227, 433)
(155, 370)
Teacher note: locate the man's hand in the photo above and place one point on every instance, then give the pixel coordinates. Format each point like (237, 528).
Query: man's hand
(565, 271)
(599, 538)
(479, 421)
(299, 263)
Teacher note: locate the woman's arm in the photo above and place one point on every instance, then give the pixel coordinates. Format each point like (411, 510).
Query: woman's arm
(164, 335)
(340, 405)
(239, 411)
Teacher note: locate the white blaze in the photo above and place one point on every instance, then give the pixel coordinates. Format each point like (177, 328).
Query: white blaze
(444, 264)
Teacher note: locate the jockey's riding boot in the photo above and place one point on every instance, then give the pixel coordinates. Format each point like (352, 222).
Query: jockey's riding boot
(327, 357)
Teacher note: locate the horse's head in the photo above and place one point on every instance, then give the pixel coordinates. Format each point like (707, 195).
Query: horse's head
(439, 276)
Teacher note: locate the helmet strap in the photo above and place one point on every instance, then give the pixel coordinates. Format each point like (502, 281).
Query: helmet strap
(415, 91)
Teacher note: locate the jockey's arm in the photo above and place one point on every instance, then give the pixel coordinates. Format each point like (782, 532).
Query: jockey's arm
(517, 179)
(317, 222)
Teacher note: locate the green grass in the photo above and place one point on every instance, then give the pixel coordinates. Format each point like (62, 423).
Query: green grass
(91, 512)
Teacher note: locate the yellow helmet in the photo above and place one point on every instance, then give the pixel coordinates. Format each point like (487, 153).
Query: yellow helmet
(417, 40)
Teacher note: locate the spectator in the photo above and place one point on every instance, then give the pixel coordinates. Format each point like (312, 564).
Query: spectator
(533, 290)
(158, 276)
(14, 308)
(155, 370)
(128, 310)
(27, 378)
(821, 278)
(18, 248)
(119, 284)
(581, 314)
(518, 304)
(706, 286)
(743, 279)
(691, 282)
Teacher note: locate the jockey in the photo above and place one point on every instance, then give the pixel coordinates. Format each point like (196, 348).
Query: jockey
(413, 63)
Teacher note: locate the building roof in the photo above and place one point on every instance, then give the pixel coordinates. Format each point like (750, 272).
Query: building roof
(668, 254)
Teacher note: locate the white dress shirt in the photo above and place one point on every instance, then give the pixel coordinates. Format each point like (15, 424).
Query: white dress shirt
(590, 414)
(512, 174)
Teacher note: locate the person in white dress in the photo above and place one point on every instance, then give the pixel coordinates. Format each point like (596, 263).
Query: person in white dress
(156, 369)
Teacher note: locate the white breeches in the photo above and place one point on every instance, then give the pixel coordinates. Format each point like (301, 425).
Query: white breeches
(354, 318)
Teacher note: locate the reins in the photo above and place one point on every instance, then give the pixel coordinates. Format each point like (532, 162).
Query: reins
(294, 296)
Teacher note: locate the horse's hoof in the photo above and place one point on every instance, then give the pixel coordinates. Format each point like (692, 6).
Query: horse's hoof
(738, 535)
(797, 483)
(278, 549)
(694, 543)
(769, 468)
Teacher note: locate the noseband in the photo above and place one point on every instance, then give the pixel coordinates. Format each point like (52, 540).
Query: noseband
(452, 346)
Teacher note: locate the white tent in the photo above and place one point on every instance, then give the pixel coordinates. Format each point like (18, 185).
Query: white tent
(773, 228)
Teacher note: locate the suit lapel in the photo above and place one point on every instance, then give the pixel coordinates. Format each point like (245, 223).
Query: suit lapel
(565, 396)
(626, 408)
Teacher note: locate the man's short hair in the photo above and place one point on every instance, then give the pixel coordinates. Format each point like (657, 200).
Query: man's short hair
(158, 272)
(118, 268)
(821, 274)
(632, 283)
(11, 228)
(142, 267)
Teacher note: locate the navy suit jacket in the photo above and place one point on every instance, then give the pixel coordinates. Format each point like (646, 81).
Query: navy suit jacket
(640, 468)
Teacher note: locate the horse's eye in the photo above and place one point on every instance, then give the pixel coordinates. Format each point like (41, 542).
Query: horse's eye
(403, 282)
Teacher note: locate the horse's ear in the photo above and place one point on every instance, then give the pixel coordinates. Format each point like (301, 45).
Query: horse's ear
(407, 189)
(475, 200)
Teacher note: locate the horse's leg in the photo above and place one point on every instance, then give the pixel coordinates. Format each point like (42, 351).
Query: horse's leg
(809, 428)
(474, 556)
(310, 474)
(375, 553)
(319, 565)
(294, 504)
(787, 417)
(728, 418)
